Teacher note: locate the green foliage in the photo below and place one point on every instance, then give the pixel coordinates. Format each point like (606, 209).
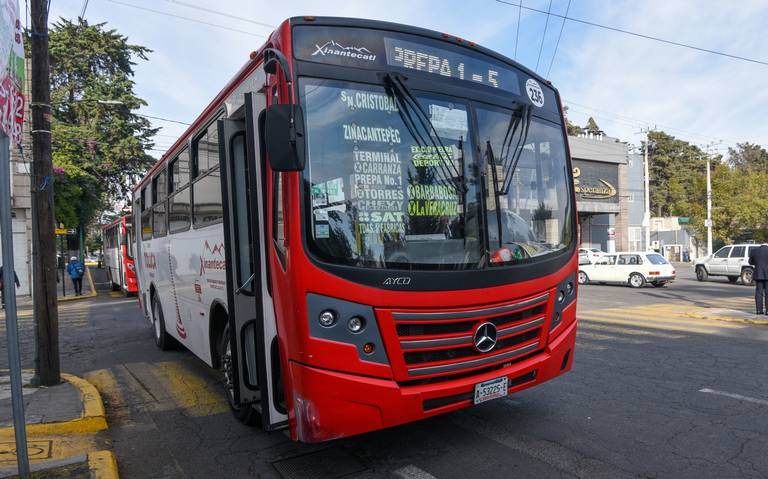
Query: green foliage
(102, 148)
(674, 167)
(739, 188)
(748, 157)
(573, 129)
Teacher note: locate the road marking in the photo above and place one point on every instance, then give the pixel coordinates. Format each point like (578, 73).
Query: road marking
(35, 450)
(189, 391)
(412, 472)
(652, 316)
(641, 324)
(617, 329)
(762, 402)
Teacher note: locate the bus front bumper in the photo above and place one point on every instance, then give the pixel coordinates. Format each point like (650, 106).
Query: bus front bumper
(329, 405)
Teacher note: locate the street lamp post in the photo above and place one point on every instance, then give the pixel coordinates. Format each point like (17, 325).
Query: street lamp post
(708, 223)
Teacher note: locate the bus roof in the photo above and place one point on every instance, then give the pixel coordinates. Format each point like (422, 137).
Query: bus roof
(114, 222)
(283, 29)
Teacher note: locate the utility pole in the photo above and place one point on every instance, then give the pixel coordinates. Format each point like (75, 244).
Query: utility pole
(47, 366)
(708, 222)
(647, 193)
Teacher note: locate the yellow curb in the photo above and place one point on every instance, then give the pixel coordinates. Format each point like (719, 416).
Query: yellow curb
(103, 465)
(92, 419)
(92, 294)
(728, 319)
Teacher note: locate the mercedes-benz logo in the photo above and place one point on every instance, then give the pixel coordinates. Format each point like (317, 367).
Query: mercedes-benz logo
(485, 337)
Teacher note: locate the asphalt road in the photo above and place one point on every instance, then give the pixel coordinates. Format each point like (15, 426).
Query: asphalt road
(651, 394)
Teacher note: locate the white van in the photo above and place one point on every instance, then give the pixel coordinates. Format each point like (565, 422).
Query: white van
(633, 268)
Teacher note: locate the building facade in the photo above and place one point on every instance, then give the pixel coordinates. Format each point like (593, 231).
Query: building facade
(601, 180)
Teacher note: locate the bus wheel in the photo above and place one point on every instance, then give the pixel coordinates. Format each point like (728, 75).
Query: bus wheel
(248, 414)
(162, 339)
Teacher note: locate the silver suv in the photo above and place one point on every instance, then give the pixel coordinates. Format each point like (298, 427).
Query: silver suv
(731, 261)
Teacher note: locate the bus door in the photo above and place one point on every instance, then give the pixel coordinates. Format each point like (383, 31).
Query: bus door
(251, 310)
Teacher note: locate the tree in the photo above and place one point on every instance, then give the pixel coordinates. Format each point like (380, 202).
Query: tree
(748, 157)
(101, 148)
(674, 167)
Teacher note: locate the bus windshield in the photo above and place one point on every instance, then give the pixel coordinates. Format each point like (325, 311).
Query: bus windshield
(393, 183)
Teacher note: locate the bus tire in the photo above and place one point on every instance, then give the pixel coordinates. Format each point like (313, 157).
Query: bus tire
(163, 340)
(247, 415)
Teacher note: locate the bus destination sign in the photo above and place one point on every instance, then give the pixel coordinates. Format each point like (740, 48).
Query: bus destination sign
(378, 50)
(438, 61)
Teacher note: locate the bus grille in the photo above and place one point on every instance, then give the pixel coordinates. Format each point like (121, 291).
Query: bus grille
(441, 343)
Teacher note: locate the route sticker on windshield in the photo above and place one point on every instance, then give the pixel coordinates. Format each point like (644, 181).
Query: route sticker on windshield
(535, 93)
(449, 123)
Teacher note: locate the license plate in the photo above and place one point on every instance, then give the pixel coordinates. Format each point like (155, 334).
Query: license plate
(491, 389)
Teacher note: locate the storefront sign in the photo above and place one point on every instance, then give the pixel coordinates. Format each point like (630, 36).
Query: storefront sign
(596, 181)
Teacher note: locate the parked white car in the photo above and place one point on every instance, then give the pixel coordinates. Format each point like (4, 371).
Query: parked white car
(731, 261)
(589, 255)
(633, 268)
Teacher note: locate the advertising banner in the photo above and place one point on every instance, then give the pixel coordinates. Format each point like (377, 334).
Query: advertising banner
(11, 70)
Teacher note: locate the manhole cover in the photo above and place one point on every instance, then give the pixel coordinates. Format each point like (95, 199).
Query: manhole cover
(328, 463)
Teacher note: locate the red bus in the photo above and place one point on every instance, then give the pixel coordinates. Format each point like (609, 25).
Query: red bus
(370, 224)
(118, 255)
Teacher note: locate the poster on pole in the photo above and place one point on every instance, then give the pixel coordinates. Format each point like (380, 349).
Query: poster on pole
(12, 71)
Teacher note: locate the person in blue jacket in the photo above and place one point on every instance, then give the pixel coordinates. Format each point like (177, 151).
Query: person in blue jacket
(76, 271)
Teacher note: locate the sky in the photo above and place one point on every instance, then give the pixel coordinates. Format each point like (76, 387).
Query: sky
(626, 83)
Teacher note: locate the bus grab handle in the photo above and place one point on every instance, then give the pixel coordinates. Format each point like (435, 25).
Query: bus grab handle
(247, 281)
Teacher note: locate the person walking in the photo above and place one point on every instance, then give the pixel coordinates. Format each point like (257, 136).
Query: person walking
(758, 258)
(2, 286)
(76, 271)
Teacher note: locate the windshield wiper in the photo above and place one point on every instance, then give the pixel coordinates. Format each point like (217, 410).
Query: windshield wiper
(407, 103)
(509, 165)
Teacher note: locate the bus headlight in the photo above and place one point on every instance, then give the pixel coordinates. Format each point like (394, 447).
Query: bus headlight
(356, 324)
(130, 266)
(327, 318)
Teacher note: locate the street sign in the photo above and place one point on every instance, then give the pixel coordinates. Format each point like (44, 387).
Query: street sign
(60, 231)
(707, 223)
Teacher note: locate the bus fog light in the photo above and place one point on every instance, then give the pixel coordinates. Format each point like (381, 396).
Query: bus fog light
(356, 324)
(327, 318)
(368, 348)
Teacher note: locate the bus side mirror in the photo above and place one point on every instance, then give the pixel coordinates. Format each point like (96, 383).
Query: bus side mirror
(284, 145)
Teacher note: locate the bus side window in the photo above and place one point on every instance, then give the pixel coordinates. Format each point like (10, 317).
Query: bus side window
(278, 222)
(159, 188)
(146, 217)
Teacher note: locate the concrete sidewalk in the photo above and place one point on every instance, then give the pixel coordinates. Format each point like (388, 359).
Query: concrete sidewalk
(89, 291)
(66, 430)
